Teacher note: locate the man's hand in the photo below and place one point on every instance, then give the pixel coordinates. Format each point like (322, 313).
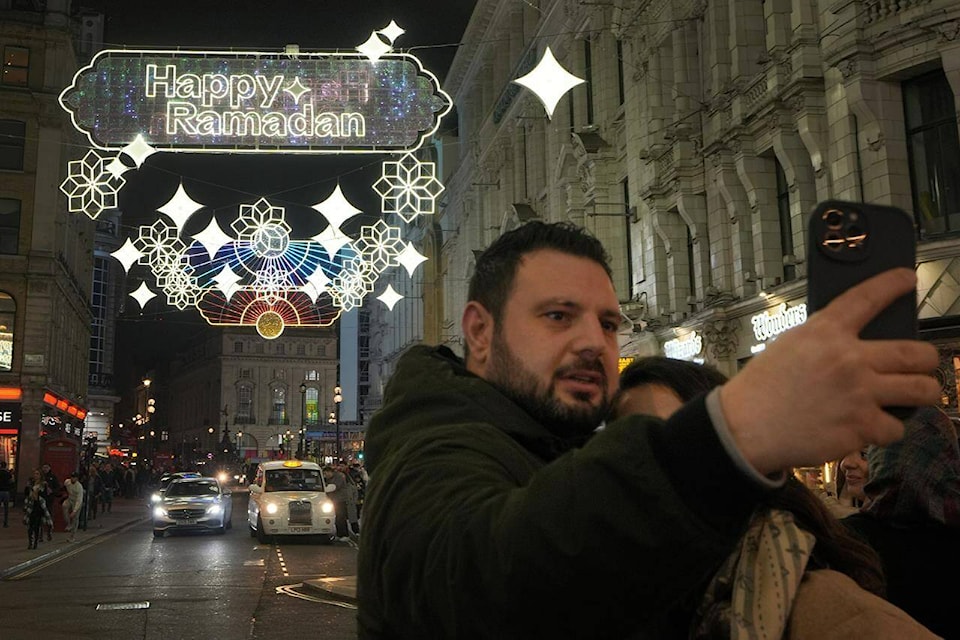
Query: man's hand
(817, 392)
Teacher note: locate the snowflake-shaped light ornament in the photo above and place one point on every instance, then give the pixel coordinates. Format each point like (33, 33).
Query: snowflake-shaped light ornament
(92, 185)
(263, 227)
(379, 244)
(408, 187)
(549, 81)
(353, 283)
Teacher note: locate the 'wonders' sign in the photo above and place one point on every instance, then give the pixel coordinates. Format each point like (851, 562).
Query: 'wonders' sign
(256, 102)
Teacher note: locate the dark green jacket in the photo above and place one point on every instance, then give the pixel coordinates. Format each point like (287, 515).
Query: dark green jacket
(479, 523)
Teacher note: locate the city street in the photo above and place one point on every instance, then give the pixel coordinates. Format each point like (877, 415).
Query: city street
(119, 582)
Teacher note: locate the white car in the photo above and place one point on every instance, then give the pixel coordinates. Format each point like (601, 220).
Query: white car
(289, 498)
(193, 504)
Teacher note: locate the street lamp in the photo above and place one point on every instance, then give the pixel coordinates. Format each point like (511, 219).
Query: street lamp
(337, 399)
(303, 413)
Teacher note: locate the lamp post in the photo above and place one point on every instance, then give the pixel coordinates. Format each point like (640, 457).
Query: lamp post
(337, 399)
(211, 430)
(303, 423)
(239, 445)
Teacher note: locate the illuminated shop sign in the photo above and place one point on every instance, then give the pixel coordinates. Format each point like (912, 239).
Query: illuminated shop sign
(205, 101)
(6, 351)
(10, 416)
(773, 322)
(686, 347)
(624, 362)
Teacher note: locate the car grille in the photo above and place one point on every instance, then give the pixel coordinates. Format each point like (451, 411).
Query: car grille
(186, 514)
(300, 513)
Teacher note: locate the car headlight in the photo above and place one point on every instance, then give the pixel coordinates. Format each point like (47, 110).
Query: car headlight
(222, 476)
(159, 512)
(272, 508)
(215, 510)
(155, 497)
(326, 507)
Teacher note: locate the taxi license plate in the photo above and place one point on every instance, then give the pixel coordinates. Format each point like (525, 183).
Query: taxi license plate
(299, 529)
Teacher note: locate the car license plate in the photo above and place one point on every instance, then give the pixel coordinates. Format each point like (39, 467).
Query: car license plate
(299, 529)
(188, 521)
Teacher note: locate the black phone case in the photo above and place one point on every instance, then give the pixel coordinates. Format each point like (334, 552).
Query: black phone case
(868, 240)
(847, 243)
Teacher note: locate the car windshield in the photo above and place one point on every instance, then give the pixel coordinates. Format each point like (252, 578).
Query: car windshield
(293, 480)
(193, 489)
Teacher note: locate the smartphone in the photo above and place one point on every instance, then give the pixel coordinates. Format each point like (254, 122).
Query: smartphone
(848, 242)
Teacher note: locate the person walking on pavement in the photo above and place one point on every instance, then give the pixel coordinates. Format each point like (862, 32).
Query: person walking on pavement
(6, 491)
(108, 479)
(52, 491)
(339, 498)
(35, 512)
(72, 504)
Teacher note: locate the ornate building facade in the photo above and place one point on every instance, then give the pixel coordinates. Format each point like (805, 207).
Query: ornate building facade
(705, 133)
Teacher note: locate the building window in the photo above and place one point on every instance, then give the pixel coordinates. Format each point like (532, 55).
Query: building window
(281, 349)
(16, 65)
(278, 414)
(621, 90)
(313, 405)
(786, 226)
(301, 349)
(13, 134)
(244, 403)
(312, 375)
(258, 348)
(98, 304)
(9, 226)
(238, 347)
(8, 314)
(588, 76)
(246, 373)
(934, 152)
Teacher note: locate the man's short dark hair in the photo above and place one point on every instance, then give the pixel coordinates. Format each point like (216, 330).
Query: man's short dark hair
(687, 379)
(496, 267)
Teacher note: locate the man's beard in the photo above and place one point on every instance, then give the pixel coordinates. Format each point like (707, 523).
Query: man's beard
(508, 374)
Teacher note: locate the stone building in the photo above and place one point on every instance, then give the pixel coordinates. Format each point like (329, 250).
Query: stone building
(704, 134)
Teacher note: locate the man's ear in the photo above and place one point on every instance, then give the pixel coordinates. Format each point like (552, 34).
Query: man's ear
(477, 327)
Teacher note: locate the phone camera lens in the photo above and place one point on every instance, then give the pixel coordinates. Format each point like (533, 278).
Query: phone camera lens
(855, 237)
(834, 241)
(833, 218)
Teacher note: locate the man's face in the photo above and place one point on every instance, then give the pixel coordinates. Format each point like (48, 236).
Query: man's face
(555, 351)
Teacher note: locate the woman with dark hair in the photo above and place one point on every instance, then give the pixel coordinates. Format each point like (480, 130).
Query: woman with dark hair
(798, 572)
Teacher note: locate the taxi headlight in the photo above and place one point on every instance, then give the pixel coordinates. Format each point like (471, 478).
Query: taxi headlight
(272, 508)
(326, 507)
(159, 512)
(215, 510)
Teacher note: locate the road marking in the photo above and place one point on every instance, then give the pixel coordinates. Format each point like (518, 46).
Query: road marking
(254, 563)
(123, 606)
(291, 590)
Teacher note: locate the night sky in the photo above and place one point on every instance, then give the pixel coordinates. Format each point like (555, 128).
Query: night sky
(433, 30)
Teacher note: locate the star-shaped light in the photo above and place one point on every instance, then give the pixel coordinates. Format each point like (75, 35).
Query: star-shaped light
(212, 238)
(549, 81)
(392, 31)
(336, 208)
(127, 255)
(138, 150)
(374, 48)
(180, 207)
(332, 240)
(117, 168)
(410, 258)
(143, 295)
(227, 282)
(316, 284)
(296, 89)
(389, 297)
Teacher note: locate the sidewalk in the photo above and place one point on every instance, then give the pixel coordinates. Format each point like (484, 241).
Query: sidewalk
(15, 557)
(342, 588)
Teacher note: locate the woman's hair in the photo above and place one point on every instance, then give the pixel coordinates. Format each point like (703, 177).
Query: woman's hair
(836, 547)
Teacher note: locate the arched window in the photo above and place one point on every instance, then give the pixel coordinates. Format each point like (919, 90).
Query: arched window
(313, 411)
(8, 314)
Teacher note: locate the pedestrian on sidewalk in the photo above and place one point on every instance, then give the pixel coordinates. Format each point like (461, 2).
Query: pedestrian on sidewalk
(6, 491)
(72, 504)
(52, 490)
(35, 512)
(108, 479)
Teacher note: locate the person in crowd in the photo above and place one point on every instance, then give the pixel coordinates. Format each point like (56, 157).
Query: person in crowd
(852, 475)
(6, 491)
(35, 512)
(108, 482)
(493, 496)
(352, 501)
(93, 490)
(53, 490)
(793, 546)
(339, 498)
(72, 504)
(912, 518)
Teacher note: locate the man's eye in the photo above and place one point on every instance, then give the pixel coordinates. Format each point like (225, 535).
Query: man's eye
(556, 315)
(612, 327)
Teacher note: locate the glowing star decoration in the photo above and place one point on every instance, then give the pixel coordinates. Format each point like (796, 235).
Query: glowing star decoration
(336, 208)
(316, 284)
(127, 255)
(180, 207)
(549, 81)
(296, 89)
(117, 168)
(212, 238)
(227, 282)
(331, 240)
(90, 186)
(389, 297)
(138, 150)
(392, 31)
(408, 187)
(374, 48)
(270, 325)
(143, 295)
(410, 258)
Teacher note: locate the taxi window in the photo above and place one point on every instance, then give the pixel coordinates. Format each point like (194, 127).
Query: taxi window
(292, 480)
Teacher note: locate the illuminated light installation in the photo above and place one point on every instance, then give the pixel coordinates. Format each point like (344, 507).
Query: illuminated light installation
(260, 274)
(549, 81)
